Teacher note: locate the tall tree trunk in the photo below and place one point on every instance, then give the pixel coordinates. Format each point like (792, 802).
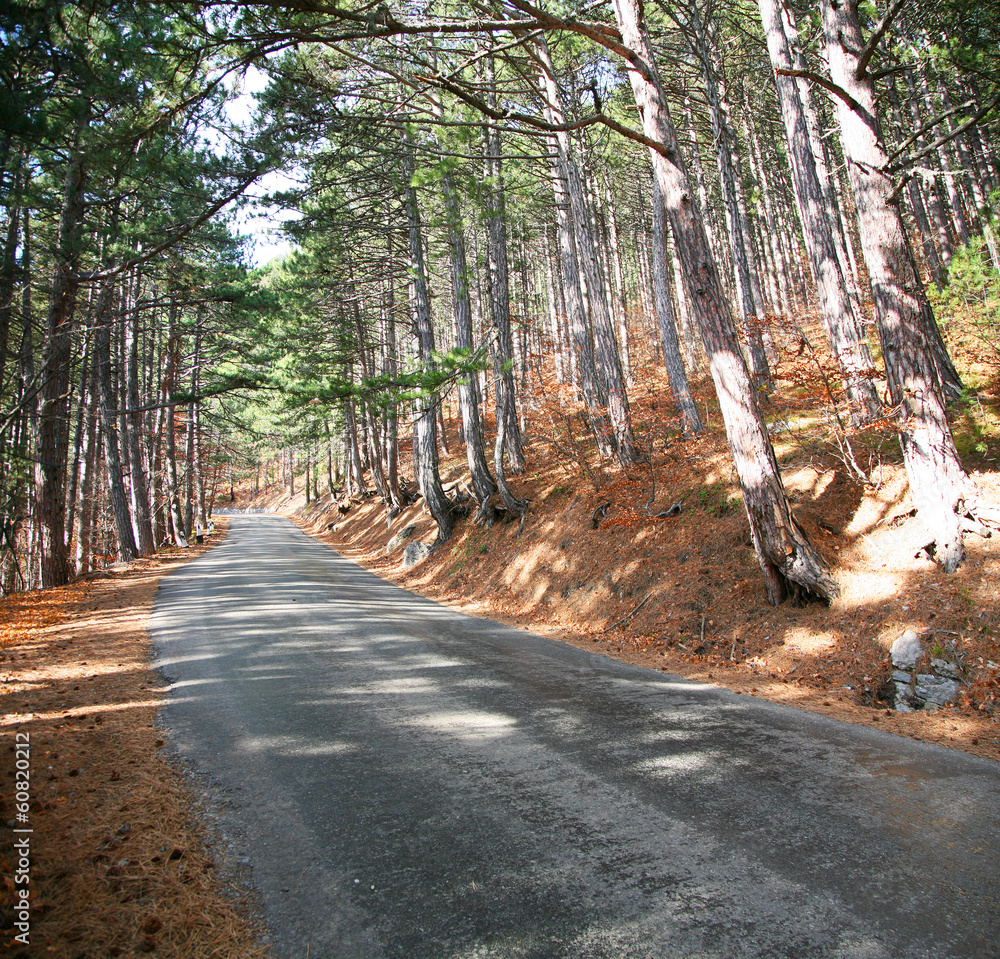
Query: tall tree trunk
(605, 345)
(979, 201)
(469, 399)
(618, 299)
(117, 493)
(134, 437)
(684, 402)
(942, 231)
(937, 481)
(390, 369)
(170, 428)
(85, 514)
(842, 327)
(425, 446)
(53, 411)
(498, 283)
(579, 325)
(738, 242)
(787, 559)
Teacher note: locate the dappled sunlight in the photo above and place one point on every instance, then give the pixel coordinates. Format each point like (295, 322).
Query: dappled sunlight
(465, 724)
(84, 712)
(296, 746)
(684, 764)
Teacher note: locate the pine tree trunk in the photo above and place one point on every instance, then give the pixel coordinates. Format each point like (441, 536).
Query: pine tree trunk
(684, 402)
(117, 493)
(53, 408)
(842, 327)
(390, 369)
(170, 434)
(960, 223)
(498, 288)
(942, 232)
(469, 400)
(606, 353)
(788, 561)
(983, 212)
(937, 481)
(134, 436)
(618, 299)
(583, 343)
(88, 467)
(425, 446)
(738, 248)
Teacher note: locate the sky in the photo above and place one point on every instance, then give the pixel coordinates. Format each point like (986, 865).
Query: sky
(263, 224)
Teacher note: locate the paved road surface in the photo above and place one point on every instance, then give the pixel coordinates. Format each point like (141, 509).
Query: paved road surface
(408, 782)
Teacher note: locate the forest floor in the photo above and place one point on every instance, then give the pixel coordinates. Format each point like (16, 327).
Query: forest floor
(121, 861)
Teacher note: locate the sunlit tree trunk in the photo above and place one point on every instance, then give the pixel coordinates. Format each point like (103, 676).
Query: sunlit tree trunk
(117, 494)
(134, 436)
(790, 564)
(687, 410)
(937, 481)
(842, 327)
(605, 344)
(469, 399)
(498, 288)
(585, 364)
(738, 242)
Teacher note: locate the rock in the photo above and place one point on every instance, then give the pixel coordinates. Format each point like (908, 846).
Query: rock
(944, 667)
(935, 691)
(906, 650)
(414, 553)
(404, 534)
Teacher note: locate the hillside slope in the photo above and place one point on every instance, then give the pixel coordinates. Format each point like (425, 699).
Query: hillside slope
(683, 593)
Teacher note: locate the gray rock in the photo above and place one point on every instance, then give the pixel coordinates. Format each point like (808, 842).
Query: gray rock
(404, 534)
(935, 691)
(414, 553)
(906, 650)
(944, 667)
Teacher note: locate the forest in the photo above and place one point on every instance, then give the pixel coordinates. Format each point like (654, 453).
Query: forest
(501, 212)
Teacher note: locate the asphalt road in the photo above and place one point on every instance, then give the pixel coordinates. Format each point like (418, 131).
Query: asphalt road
(404, 781)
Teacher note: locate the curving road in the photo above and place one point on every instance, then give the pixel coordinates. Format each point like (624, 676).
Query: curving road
(407, 782)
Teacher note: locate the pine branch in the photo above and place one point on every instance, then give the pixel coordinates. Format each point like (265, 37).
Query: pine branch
(823, 82)
(892, 11)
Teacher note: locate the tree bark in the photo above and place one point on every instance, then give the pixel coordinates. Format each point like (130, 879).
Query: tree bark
(53, 410)
(938, 483)
(738, 242)
(606, 352)
(788, 561)
(170, 435)
(842, 327)
(134, 435)
(425, 446)
(580, 331)
(117, 493)
(498, 288)
(469, 399)
(684, 402)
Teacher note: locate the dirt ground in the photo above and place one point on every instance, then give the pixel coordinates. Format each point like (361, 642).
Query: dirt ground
(120, 862)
